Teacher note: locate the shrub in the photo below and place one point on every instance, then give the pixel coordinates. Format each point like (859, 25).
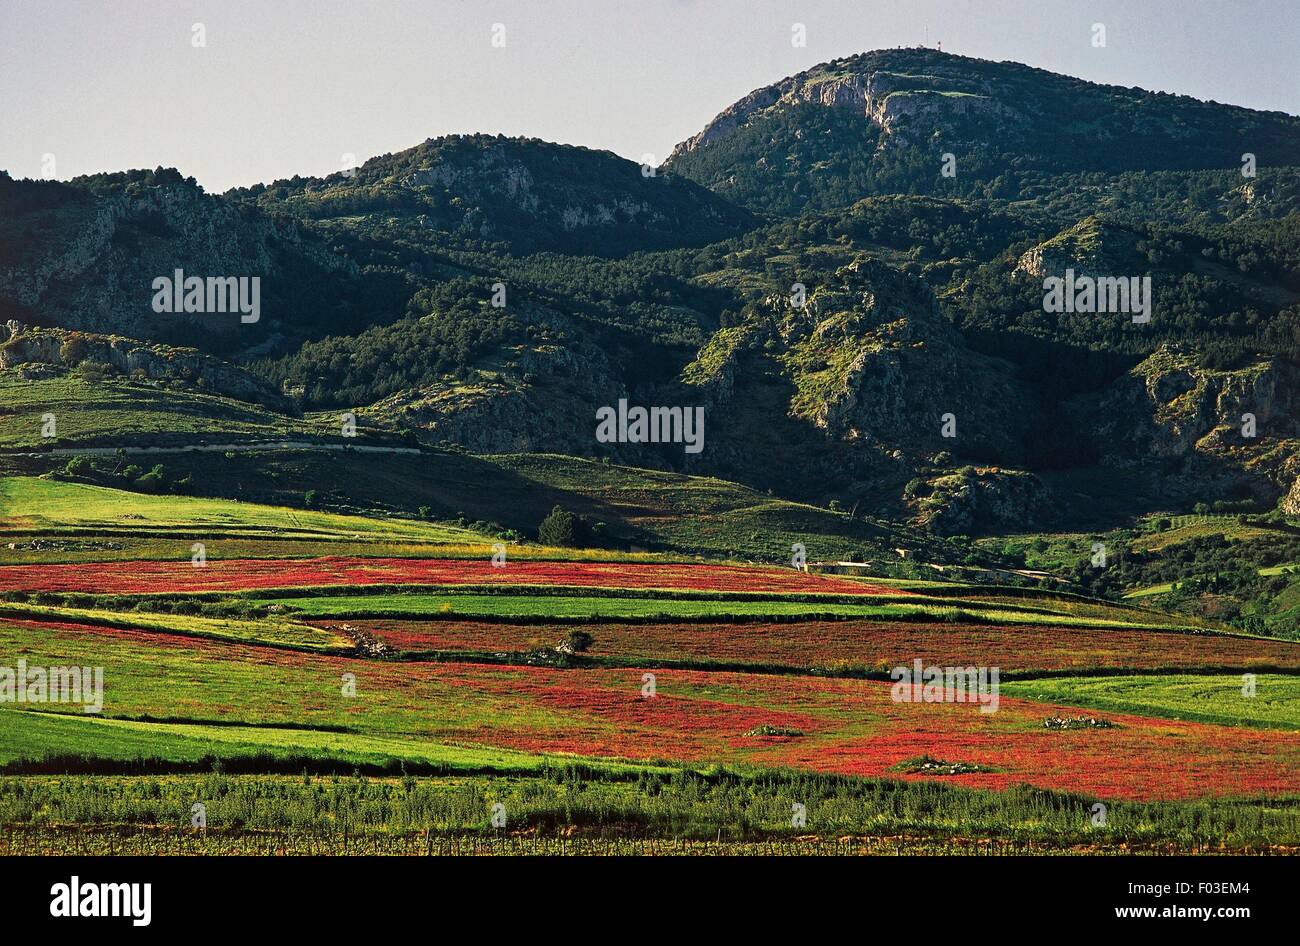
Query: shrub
(93, 371)
(73, 350)
(577, 641)
(916, 488)
(153, 481)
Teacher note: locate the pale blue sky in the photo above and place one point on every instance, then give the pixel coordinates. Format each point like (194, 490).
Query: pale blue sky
(289, 86)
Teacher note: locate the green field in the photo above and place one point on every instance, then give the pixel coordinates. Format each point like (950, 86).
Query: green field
(1210, 699)
(29, 736)
(31, 505)
(576, 607)
(607, 812)
(120, 413)
(272, 631)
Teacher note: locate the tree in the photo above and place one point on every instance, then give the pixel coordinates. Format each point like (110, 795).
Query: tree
(561, 528)
(153, 481)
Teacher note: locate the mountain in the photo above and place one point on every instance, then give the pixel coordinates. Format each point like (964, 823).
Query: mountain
(526, 195)
(334, 256)
(855, 327)
(882, 122)
(85, 255)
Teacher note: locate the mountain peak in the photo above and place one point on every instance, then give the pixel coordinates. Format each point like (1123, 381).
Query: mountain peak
(882, 121)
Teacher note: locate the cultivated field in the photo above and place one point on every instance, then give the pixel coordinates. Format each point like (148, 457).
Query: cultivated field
(400, 692)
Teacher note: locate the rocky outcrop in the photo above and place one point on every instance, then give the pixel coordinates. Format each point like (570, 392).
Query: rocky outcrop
(874, 360)
(900, 105)
(1291, 501)
(25, 347)
(850, 390)
(1212, 433)
(713, 372)
(1091, 247)
(1170, 406)
(984, 499)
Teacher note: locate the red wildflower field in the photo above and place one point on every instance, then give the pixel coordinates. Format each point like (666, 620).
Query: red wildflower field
(142, 577)
(842, 644)
(846, 726)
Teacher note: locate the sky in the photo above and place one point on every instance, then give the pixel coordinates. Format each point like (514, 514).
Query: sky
(284, 87)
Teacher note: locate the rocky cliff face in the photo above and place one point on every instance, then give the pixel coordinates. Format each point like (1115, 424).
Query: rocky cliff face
(1213, 431)
(856, 388)
(1291, 501)
(1169, 406)
(900, 105)
(873, 359)
(25, 346)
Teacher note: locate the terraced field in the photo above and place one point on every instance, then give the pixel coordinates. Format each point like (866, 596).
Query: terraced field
(837, 726)
(851, 646)
(767, 684)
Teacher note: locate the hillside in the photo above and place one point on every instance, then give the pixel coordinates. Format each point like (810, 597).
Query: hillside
(527, 195)
(880, 122)
(85, 254)
(886, 351)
